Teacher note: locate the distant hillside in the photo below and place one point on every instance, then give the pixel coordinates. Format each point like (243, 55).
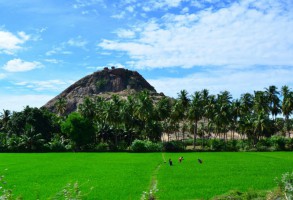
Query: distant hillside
(102, 83)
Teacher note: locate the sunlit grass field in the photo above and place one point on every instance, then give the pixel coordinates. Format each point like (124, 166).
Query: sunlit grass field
(127, 175)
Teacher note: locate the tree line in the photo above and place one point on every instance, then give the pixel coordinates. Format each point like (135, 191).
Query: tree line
(116, 122)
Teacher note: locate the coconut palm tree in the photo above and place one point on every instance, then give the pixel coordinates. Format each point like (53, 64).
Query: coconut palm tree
(61, 105)
(235, 114)
(261, 103)
(209, 112)
(183, 98)
(260, 123)
(223, 116)
(5, 117)
(163, 112)
(272, 94)
(144, 110)
(86, 109)
(287, 106)
(195, 113)
(246, 103)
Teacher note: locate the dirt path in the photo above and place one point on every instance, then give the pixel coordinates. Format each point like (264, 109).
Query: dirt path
(152, 189)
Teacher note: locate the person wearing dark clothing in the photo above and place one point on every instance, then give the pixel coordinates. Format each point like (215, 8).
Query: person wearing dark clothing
(170, 162)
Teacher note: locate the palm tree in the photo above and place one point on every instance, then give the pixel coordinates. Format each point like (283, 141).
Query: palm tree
(287, 106)
(177, 115)
(184, 102)
(246, 103)
(260, 123)
(195, 113)
(183, 98)
(274, 102)
(209, 111)
(86, 109)
(144, 110)
(261, 103)
(61, 105)
(5, 117)
(205, 101)
(223, 116)
(235, 114)
(163, 110)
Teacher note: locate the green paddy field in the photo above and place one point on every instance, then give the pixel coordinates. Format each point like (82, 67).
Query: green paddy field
(128, 175)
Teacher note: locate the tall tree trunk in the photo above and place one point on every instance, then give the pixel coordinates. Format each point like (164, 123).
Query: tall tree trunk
(194, 134)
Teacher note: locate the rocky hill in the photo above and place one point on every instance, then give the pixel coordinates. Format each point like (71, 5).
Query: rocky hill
(102, 83)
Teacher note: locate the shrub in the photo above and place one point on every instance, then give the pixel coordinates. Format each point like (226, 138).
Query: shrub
(237, 195)
(263, 145)
(57, 144)
(289, 144)
(286, 185)
(145, 146)
(138, 146)
(71, 192)
(173, 146)
(231, 145)
(278, 142)
(243, 145)
(217, 145)
(102, 147)
(153, 147)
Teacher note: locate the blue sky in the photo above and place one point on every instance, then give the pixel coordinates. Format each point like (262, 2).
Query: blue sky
(239, 46)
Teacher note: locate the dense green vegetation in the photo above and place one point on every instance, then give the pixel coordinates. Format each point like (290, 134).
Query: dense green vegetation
(220, 173)
(101, 125)
(113, 176)
(128, 175)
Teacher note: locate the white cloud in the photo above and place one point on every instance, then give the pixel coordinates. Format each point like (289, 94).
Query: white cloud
(87, 3)
(246, 33)
(62, 47)
(231, 79)
(123, 33)
(54, 61)
(14, 103)
(9, 42)
(119, 16)
(77, 42)
(58, 50)
(49, 85)
(161, 4)
(130, 8)
(2, 75)
(18, 65)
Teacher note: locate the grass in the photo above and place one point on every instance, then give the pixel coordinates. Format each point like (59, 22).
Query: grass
(127, 175)
(220, 173)
(113, 175)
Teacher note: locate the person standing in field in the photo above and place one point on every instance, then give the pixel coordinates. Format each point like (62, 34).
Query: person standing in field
(180, 159)
(170, 162)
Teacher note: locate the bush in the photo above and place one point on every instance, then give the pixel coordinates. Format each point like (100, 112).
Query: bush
(231, 145)
(138, 146)
(173, 146)
(289, 144)
(263, 145)
(243, 145)
(153, 147)
(57, 144)
(238, 195)
(101, 147)
(278, 142)
(145, 146)
(217, 145)
(286, 185)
